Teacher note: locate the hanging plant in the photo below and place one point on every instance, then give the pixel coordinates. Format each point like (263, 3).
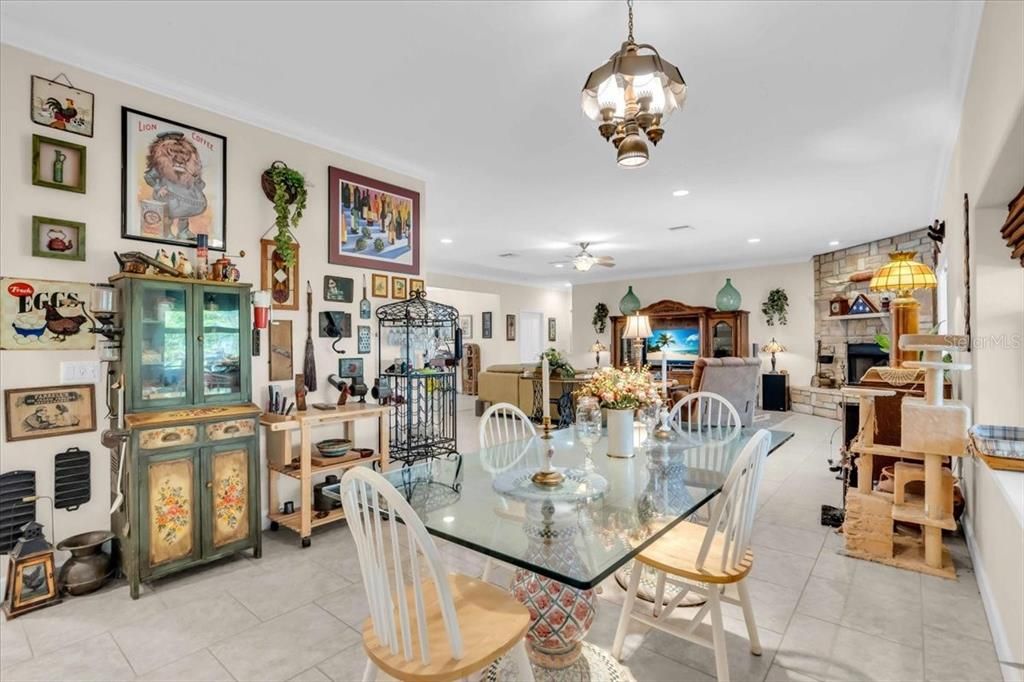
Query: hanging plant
(286, 188)
(775, 307)
(600, 320)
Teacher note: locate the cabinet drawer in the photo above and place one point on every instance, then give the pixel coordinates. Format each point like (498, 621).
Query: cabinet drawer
(234, 428)
(168, 437)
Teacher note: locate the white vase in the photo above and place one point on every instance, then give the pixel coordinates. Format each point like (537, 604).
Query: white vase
(620, 433)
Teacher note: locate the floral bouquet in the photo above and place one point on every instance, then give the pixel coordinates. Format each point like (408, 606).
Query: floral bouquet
(622, 389)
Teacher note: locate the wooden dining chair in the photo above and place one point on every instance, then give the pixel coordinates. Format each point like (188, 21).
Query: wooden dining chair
(704, 414)
(425, 622)
(705, 560)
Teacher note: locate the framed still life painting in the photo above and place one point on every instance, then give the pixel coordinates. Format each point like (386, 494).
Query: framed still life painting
(278, 278)
(380, 285)
(57, 238)
(173, 181)
(58, 164)
(372, 224)
(62, 107)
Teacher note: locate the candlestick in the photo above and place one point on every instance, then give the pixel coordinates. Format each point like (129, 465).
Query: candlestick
(545, 387)
(548, 476)
(664, 374)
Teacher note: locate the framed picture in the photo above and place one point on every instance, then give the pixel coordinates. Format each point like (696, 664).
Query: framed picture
(350, 367)
(335, 324)
(173, 181)
(58, 164)
(62, 107)
(552, 329)
(967, 271)
(42, 314)
(56, 238)
(416, 285)
(510, 327)
(372, 224)
(275, 276)
(399, 287)
(486, 323)
(30, 584)
(363, 339)
(466, 325)
(49, 411)
(380, 285)
(281, 365)
(338, 289)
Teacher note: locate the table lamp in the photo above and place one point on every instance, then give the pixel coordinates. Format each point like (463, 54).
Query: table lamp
(638, 328)
(773, 347)
(597, 348)
(903, 275)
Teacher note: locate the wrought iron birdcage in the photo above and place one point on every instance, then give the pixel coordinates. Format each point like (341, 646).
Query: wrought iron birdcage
(420, 384)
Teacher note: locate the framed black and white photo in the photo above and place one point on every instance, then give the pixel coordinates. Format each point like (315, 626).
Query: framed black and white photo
(510, 327)
(173, 181)
(552, 330)
(486, 325)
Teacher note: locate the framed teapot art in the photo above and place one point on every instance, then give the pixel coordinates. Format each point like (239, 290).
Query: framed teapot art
(57, 238)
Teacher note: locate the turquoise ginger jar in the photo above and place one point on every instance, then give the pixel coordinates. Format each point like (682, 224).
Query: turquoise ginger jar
(629, 303)
(728, 298)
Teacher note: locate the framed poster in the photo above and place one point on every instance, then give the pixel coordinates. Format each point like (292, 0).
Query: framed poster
(49, 411)
(372, 224)
(510, 327)
(56, 238)
(173, 181)
(58, 164)
(552, 329)
(62, 107)
(275, 276)
(350, 367)
(399, 288)
(40, 314)
(486, 323)
(466, 325)
(281, 366)
(380, 285)
(338, 289)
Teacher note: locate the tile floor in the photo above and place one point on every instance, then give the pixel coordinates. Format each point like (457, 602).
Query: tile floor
(295, 614)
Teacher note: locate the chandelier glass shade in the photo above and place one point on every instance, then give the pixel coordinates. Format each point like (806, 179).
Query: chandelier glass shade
(631, 96)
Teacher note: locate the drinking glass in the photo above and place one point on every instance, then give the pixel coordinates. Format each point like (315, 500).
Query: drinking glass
(588, 426)
(649, 416)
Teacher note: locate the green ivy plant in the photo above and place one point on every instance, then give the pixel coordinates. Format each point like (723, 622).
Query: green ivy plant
(600, 320)
(775, 307)
(558, 364)
(289, 204)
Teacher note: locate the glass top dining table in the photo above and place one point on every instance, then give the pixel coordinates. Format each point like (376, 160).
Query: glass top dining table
(605, 512)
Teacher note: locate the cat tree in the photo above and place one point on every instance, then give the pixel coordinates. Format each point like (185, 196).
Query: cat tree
(932, 430)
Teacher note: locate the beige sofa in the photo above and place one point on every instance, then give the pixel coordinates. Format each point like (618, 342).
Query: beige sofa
(506, 384)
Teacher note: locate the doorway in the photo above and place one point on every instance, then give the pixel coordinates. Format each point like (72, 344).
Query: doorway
(531, 336)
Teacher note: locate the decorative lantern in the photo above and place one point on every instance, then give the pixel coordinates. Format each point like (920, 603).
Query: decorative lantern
(30, 576)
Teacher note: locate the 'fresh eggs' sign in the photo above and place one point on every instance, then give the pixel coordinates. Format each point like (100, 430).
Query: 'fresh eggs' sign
(39, 314)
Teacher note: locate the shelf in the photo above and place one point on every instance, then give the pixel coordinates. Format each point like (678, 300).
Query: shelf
(295, 472)
(313, 417)
(293, 521)
(914, 513)
(864, 316)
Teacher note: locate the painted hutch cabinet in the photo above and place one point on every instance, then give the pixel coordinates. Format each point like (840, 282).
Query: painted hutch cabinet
(190, 477)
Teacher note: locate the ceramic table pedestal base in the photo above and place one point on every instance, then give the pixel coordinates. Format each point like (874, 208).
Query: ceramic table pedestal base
(593, 664)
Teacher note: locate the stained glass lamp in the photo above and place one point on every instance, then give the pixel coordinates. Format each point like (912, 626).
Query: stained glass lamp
(773, 347)
(903, 275)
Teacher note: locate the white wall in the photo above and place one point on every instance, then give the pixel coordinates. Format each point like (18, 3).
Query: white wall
(250, 150)
(474, 296)
(700, 289)
(988, 165)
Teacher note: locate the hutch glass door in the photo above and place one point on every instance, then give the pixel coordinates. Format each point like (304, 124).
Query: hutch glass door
(221, 321)
(722, 339)
(161, 346)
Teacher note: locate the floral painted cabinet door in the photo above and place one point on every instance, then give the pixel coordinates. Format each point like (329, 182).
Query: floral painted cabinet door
(229, 487)
(170, 505)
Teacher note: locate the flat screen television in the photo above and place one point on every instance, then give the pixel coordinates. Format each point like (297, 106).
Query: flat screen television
(681, 350)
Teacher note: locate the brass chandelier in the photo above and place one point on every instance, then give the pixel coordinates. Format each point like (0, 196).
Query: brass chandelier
(633, 93)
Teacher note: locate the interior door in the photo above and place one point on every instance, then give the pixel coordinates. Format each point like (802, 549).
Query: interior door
(161, 345)
(223, 341)
(170, 510)
(531, 336)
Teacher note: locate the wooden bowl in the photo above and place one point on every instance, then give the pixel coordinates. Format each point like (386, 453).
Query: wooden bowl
(364, 452)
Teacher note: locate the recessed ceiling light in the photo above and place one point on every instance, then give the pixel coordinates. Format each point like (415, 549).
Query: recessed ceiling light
(834, 242)
(753, 240)
(446, 240)
(559, 265)
(680, 192)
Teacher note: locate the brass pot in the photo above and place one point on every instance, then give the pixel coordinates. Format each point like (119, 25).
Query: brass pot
(89, 567)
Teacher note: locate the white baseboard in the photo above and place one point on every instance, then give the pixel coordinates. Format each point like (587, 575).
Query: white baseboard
(1011, 672)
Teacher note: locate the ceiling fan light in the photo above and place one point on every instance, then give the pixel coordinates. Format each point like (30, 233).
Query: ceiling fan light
(582, 263)
(633, 152)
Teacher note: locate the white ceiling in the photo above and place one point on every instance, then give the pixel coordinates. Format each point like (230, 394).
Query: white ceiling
(805, 122)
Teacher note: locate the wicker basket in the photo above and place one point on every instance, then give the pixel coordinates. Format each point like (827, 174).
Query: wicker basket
(1001, 447)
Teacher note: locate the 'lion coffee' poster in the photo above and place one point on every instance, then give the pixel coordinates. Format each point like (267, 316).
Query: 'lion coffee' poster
(40, 314)
(174, 181)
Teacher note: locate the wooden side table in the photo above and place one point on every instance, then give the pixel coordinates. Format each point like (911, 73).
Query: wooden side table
(775, 392)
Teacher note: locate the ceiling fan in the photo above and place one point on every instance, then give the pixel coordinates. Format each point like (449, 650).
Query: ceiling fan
(584, 260)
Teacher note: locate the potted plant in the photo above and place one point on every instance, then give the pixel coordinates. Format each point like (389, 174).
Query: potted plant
(775, 307)
(558, 365)
(600, 320)
(286, 188)
(621, 392)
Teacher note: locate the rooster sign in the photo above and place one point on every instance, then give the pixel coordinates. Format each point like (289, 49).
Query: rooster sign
(39, 314)
(60, 106)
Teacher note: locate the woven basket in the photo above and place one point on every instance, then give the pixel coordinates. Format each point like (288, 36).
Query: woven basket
(1001, 447)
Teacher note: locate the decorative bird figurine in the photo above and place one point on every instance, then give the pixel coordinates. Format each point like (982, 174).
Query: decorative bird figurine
(182, 264)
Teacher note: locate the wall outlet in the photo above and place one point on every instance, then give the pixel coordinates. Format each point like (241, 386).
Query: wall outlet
(86, 372)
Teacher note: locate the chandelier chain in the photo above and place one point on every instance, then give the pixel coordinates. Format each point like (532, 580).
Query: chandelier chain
(629, 4)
